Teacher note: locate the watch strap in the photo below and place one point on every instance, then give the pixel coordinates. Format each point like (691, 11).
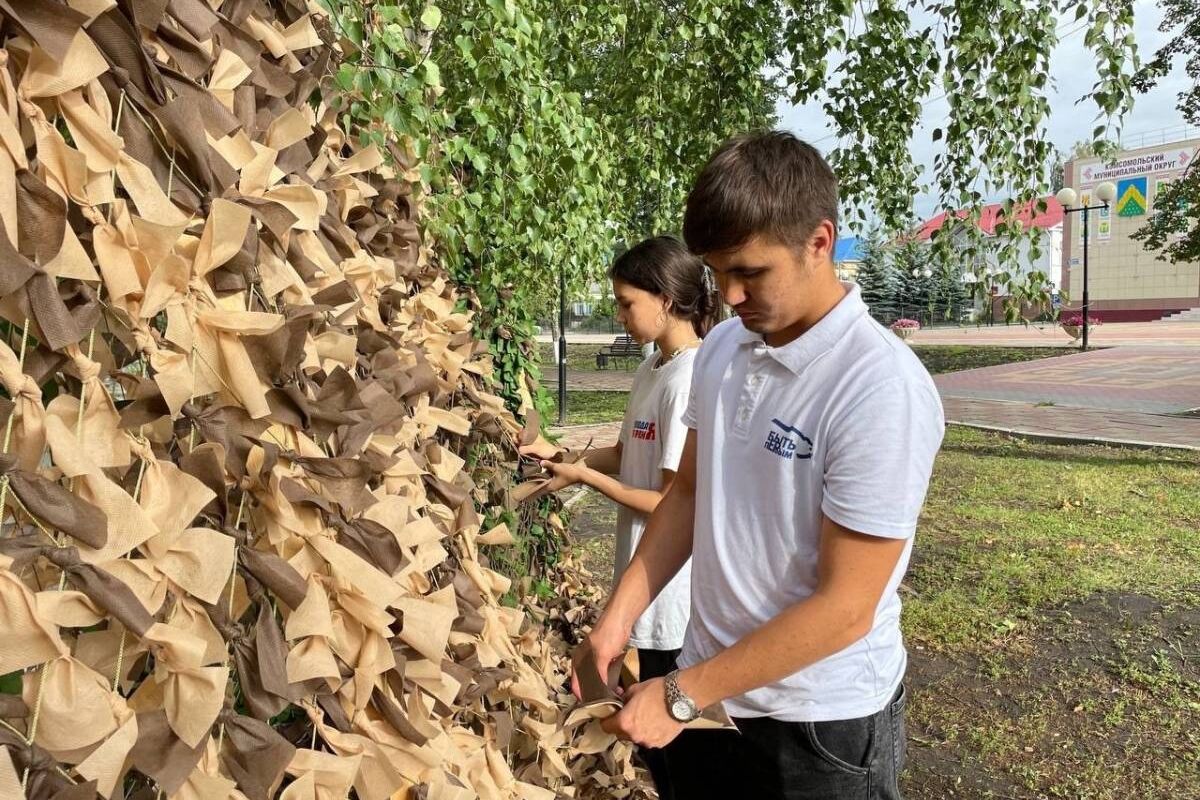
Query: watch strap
(674, 694)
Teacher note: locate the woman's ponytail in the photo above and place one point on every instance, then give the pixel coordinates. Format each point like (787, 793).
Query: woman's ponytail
(665, 267)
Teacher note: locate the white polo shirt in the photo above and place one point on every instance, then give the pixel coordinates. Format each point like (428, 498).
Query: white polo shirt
(843, 422)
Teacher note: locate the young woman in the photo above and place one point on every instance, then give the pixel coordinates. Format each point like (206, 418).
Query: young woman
(663, 295)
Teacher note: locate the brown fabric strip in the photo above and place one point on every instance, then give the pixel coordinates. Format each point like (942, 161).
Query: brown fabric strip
(344, 480)
(195, 17)
(278, 576)
(228, 426)
(119, 41)
(592, 686)
(50, 23)
(260, 703)
(272, 654)
(395, 716)
(162, 755)
(146, 13)
(281, 353)
(453, 496)
(44, 780)
(181, 119)
(78, 791)
(41, 363)
(273, 80)
(276, 218)
(13, 707)
(259, 655)
(256, 756)
(185, 51)
(337, 716)
(371, 541)
(101, 588)
(37, 296)
(206, 463)
(41, 218)
(285, 410)
(54, 505)
(6, 409)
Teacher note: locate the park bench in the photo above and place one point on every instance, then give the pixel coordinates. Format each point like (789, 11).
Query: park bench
(621, 349)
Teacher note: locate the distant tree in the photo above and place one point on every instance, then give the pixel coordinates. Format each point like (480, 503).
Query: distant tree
(877, 278)
(1174, 227)
(1057, 172)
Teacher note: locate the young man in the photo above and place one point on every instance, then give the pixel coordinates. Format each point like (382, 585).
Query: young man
(813, 434)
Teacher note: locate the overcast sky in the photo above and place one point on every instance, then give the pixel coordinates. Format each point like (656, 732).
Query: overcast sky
(1154, 116)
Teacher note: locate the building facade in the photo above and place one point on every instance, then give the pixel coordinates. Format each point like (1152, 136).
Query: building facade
(847, 255)
(1127, 282)
(1042, 252)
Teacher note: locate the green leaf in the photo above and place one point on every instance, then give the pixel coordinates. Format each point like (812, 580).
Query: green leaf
(433, 74)
(431, 18)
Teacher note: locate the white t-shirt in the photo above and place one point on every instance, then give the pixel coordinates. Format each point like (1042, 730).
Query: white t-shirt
(652, 438)
(842, 422)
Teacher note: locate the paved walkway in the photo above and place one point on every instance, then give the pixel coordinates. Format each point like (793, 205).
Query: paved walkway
(1125, 396)
(1113, 334)
(1053, 423)
(1072, 424)
(1156, 380)
(578, 436)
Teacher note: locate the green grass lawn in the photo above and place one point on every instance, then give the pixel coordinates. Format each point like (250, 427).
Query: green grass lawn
(587, 408)
(579, 357)
(1052, 615)
(940, 358)
(936, 358)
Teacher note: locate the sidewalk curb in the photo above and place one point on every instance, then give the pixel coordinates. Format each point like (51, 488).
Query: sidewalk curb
(1058, 438)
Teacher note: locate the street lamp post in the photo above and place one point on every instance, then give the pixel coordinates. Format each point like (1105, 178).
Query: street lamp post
(1105, 192)
(562, 344)
(918, 273)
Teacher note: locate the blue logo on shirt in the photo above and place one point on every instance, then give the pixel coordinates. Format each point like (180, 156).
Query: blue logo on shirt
(784, 445)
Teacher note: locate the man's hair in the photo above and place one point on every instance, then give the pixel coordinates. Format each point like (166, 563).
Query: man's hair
(768, 184)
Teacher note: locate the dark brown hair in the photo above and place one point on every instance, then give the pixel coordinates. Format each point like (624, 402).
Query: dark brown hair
(665, 267)
(759, 184)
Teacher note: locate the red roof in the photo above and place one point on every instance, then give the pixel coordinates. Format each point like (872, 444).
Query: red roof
(1053, 215)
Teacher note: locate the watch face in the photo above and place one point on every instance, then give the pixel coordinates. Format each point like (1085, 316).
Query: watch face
(681, 710)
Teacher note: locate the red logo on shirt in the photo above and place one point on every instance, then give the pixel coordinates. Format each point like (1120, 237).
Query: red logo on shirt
(643, 429)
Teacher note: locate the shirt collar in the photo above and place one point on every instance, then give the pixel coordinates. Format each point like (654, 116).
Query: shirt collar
(804, 349)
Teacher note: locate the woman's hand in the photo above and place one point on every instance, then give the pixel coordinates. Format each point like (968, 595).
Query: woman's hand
(563, 475)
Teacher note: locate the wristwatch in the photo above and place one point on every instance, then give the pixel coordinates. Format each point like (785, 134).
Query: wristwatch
(681, 707)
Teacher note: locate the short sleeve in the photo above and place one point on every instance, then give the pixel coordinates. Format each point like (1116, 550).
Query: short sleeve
(672, 408)
(690, 413)
(879, 459)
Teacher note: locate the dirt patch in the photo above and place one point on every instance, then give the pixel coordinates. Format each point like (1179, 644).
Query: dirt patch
(1101, 700)
(593, 528)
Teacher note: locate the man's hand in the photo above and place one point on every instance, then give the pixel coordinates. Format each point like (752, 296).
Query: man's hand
(606, 643)
(539, 449)
(644, 719)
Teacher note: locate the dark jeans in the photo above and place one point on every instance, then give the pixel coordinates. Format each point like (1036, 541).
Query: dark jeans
(854, 759)
(657, 664)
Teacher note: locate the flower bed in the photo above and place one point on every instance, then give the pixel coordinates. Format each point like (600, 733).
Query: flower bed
(905, 327)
